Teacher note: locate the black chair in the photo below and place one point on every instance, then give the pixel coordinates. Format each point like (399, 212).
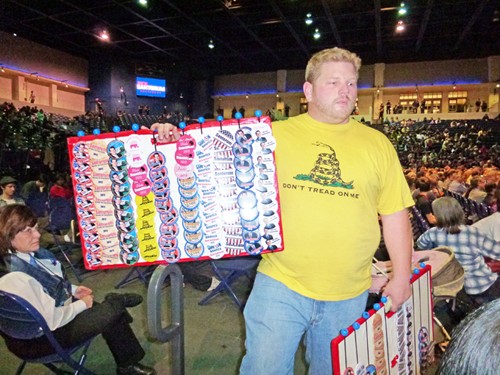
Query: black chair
(38, 202)
(228, 271)
(422, 223)
(62, 217)
(20, 320)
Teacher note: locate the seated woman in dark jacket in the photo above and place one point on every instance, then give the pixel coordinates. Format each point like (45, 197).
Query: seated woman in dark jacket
(70, 311)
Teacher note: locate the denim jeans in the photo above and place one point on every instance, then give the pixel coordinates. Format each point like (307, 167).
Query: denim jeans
(276, 319)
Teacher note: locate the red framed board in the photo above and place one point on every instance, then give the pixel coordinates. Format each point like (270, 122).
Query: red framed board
(211, 194)
(390, 343)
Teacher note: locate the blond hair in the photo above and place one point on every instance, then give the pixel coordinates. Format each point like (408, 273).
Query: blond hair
(328, 55)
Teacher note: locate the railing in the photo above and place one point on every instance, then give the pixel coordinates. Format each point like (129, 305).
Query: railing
(175, 331)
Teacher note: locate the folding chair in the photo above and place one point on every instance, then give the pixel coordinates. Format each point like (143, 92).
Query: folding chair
(228, 271)
(137, 273)
(61, 215)
(20, 320)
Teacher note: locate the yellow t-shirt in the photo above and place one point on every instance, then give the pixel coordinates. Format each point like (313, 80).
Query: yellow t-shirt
(333, 182)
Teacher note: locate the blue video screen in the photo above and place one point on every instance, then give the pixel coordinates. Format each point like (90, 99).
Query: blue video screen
(152, 87)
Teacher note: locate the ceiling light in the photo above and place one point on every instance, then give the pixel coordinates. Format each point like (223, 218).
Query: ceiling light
(211, 44)
(232, 4)
(104, 35)
(309, 20)
(316, 34)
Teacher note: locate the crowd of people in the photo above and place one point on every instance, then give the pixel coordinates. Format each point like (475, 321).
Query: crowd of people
(442, 196)
(447, 143)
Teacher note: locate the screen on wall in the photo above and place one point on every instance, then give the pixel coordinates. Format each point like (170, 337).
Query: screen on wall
(152, 87)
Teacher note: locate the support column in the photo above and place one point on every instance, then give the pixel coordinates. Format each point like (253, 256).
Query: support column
(19, 90)
(53, 96)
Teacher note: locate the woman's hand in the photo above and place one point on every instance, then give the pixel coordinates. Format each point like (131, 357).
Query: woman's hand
(166, 132)
(89, 300)
(82, 291)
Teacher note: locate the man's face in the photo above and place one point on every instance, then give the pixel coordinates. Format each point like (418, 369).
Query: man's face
(332, 96)
(9, 190)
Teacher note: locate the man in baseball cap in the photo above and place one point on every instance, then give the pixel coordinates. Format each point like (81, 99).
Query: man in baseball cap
(8, 186)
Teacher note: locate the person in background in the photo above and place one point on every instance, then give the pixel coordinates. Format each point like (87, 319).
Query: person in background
(475, 344)
(60, 188)
(457, 184)
(424, 199)
(70, 311)
(470, 246)
(35, 195)
(319, 284)
(8, 185)
(490, 225)
(490, 200)
(476, 191)
(38, 185)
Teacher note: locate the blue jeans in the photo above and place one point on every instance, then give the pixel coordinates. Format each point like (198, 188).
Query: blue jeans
(276, 318)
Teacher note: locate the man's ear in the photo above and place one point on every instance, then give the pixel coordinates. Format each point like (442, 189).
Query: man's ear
(307, 88)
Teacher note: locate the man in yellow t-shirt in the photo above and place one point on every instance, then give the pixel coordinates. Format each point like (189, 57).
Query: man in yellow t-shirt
(336, 177)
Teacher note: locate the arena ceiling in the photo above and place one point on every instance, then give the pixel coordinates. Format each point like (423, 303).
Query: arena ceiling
(257, 35)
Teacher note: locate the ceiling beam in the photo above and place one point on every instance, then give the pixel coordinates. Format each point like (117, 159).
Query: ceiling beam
(166, 32)
(250, 32)
(193, 20)
(472, 21)
(378, 27)
(423, 25)
(331, 21)
(45, 16)
(289, 27)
